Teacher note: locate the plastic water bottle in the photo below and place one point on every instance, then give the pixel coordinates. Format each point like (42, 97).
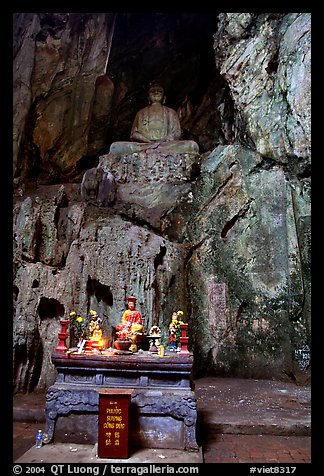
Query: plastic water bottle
(39, 439)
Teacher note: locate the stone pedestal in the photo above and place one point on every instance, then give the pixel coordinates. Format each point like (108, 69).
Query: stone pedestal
(163, 410)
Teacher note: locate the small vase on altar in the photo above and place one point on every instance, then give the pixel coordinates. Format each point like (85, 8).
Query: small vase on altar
(123, 344)
(63, 335)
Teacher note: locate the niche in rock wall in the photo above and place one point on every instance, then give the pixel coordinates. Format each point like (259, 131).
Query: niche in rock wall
(67, 129)
(100, 299)
(50, 312)
(177, 51)
(50, 308)
(98, 292)
(28, 364)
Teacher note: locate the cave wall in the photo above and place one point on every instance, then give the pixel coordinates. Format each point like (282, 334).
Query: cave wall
(224, 235)
(266, 61)
(79, 80)
(246, 276)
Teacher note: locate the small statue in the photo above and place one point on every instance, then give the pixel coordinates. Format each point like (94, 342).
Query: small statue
(131, 324)
(175, 332)
(98, 187)
(94, 325)
(95, 332)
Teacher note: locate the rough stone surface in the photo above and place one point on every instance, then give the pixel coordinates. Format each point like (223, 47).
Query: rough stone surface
(242, 222)
(224, 235)
(266, 62)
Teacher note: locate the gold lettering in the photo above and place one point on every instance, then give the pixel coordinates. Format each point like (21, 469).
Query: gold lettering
(114, 418)
(114, 411)
(109, 425)
(120, 426)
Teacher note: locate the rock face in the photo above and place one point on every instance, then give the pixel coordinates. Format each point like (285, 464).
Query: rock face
(242, 220)
(267, 66)
(223, 235)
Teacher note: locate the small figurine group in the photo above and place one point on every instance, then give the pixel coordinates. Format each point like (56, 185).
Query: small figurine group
(175, 332)
(131, 327)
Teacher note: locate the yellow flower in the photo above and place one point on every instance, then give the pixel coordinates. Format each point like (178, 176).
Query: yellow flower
(79, 319)
(180, 313)
(72, 313)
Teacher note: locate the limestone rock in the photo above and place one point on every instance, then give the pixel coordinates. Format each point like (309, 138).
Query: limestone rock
(268, 69)
(223, 235)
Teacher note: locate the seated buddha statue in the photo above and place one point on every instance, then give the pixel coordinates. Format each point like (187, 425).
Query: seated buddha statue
(155, 127)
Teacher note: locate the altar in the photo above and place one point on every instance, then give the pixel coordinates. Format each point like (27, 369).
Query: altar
(163, 409)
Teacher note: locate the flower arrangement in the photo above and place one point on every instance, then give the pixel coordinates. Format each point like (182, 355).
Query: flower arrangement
(125, 332)
(79, 326)
(180, 314)
(176, 324)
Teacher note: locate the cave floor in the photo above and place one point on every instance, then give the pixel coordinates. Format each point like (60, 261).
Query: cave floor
(239, 420)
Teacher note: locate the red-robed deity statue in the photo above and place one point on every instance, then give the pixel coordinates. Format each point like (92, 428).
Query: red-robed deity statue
(131, 324)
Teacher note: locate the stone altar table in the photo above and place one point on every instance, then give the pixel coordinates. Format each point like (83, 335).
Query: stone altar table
(163, 410)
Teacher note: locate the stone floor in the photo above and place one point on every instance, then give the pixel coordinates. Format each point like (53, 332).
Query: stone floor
(239, 421)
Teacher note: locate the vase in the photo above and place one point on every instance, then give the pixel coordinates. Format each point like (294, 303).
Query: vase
(63, 335)
(184, 339)
(122, 344)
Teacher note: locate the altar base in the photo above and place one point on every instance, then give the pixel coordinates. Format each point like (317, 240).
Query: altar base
(163, 409)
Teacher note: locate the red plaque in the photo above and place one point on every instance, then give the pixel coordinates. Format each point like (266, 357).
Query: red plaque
(113, 423)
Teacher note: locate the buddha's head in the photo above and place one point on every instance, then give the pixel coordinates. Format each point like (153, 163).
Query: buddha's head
(156, 93)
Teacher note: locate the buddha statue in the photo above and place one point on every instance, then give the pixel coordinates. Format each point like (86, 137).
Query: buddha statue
(155, 127)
